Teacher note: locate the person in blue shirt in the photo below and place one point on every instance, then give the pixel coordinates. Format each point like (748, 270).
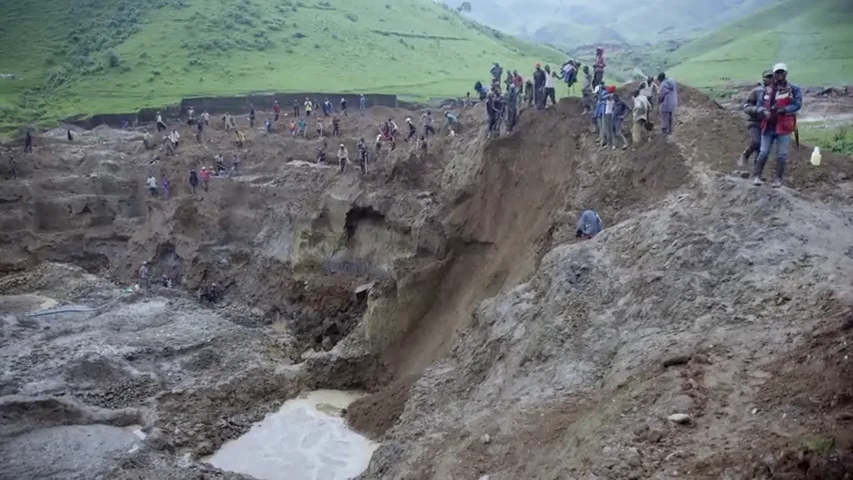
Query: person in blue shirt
(589, 225)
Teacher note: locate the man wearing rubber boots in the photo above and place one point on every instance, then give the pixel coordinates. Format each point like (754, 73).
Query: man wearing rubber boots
(781, 103)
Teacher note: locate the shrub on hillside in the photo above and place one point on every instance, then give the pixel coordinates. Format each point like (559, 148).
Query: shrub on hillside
(352, 17)
(113, 59)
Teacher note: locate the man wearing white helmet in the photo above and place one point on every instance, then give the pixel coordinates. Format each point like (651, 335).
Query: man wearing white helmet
(781, 103)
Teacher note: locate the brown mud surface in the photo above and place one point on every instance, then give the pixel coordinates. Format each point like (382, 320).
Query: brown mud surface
(449, 284)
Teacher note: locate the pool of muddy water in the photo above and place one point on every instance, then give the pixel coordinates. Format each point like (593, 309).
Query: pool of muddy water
(307, 439)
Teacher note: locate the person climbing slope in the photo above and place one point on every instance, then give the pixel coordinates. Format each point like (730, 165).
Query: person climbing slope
(413, 130)
(754, 110)
(164, 182)
(428, 123)
(152, 185)
(589, 225)
(782, 101)
(296, 108)
(276, 110)
(344, 106)
(362, 104)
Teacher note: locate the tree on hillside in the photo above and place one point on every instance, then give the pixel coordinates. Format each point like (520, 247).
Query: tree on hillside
(464, 7)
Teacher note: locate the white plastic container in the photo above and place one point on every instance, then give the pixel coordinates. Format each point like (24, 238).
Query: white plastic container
(816, 156)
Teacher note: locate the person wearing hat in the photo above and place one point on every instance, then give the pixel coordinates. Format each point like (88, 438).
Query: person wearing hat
(668, 102)
(754, 110)
(343, 157)
(782, 101)
(599, 66)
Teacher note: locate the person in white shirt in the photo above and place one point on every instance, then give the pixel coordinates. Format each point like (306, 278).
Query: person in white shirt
(606, 134)
(152, 185)
(550, 81)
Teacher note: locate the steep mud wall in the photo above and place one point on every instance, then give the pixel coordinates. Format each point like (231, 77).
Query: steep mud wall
(525, 193)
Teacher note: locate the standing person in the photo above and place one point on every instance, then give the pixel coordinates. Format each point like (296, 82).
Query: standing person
(378, 145)
(599, 66)
(781, 103)
(144, 275)
(362, 155)
(496, 71)
(166, 186)
(598, 114)
(327, 107)
(193, 181)
(302, 126)
(319, 127)
(550, 82)
(343, 157)
(620, 109)
(362, 104)
(239, 139)
(508, 80)
(344, 106)
(511, 108)
(199, 134)
(429, 125)
(295, 108)
(28, 142)
(606, 132)
(205, 117)
(668, 101)
(70, 135)
(308, 107)
(642, 107)
(336, 126)
(539, 87)
(528, 92)
(754, 109)
(276, 110)
(152, 185)
(268, 125)
(235, 165)
(190, 116)
(252, 117)
(586, 91)
(205, 178)
(161, 125)
(492, 114)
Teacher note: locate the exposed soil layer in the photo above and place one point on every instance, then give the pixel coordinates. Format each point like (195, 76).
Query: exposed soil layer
(447, 283)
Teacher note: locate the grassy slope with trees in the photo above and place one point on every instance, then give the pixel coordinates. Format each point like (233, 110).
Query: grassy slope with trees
(814, 38)
(89, 56)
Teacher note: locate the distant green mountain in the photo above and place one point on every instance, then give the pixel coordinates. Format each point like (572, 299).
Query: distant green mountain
(814, 38)
(88, 56)
(572, 23)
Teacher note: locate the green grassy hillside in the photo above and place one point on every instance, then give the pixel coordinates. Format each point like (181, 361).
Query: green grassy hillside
(88, 56)
(815, 39)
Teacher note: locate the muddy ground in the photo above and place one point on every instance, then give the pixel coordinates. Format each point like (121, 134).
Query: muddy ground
(450, 285)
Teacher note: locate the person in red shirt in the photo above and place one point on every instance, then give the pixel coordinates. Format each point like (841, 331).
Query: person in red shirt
(205, 178)
(517, 80)
(276, 108)
(599, 66)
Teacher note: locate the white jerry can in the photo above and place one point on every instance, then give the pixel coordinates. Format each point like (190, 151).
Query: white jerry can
(816, 156)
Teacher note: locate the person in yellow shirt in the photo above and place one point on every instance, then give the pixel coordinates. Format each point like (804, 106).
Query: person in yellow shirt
(241, 139)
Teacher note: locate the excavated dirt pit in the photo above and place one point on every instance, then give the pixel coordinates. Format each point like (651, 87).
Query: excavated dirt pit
(446, 286)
